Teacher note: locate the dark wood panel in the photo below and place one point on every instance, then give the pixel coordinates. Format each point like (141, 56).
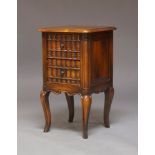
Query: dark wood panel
(101, 52)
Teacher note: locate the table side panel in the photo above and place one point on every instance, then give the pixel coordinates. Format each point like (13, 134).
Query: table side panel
(101, 59)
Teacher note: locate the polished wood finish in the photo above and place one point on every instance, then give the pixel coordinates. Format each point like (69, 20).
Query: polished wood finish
(77, 60)
(77, 29)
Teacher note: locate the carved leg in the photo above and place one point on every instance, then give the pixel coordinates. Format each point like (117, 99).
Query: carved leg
(45, 104)
(70, 102)
(109, 93)
(86, 104)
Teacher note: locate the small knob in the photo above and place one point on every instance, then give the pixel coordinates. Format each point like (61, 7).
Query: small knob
(62, 72)
(61, 45)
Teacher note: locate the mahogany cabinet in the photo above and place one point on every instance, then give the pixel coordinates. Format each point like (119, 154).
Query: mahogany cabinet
(77, 60)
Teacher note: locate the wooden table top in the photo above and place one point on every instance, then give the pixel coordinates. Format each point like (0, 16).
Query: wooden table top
(77, 29)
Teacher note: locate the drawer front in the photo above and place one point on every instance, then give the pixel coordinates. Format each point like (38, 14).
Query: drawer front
(63, 58)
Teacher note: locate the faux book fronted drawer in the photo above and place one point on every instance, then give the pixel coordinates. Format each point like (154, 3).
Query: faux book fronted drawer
(63, 58)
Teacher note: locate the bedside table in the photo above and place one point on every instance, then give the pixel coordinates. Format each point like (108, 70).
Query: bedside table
(77, 60)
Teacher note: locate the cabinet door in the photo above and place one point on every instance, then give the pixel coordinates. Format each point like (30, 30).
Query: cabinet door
(63, 58)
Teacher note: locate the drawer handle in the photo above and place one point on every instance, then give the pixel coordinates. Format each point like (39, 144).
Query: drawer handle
(61, 45)
(62, 72)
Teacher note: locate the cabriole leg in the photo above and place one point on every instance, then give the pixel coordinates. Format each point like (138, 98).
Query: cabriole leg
(70, 102)
(44, 95)
(109, 93)
(86, 104)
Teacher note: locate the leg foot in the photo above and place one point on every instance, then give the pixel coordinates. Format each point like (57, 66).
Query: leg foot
(109, 93)
(86, 104)
(45, 104)
(70, 102)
